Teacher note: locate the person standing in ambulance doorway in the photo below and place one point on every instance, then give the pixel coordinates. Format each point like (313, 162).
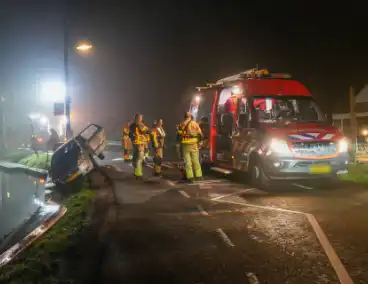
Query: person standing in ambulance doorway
(190, 139)
(127, 144)
(158, 142)
(138, 133)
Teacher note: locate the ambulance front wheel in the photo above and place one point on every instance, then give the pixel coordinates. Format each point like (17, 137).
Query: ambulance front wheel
(257, 177)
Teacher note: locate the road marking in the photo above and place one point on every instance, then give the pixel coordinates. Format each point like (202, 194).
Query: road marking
(117, 159)
(332, 256)
(182, 192)
(252, 278)
(225, 238)
(167, 165)
(213, 181)
(335, 261)
(302, 186)
(261, 207)
(149, 165)
(210, 183)
(202, 211)
(234, 193)
(204, 186)
(170, 183)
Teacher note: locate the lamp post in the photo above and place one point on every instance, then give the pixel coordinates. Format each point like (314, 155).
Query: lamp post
(83, 48)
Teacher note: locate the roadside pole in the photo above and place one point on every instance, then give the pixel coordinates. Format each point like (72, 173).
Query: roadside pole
(67, 101)
(353, 123)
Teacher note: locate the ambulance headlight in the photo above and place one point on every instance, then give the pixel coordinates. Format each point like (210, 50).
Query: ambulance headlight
(343, 146)
(279, 147)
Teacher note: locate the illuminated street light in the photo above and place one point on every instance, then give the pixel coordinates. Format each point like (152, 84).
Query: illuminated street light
(44, 120)
(84, 47)
(53, 92)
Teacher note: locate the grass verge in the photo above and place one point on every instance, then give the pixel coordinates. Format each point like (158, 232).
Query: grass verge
(40, 161)
(15, 156)
(45, 260)
(357, 173)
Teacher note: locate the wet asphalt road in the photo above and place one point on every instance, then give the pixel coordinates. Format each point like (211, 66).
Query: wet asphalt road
(223, 231)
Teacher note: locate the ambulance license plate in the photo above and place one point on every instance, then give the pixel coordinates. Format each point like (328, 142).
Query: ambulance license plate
(320, 169)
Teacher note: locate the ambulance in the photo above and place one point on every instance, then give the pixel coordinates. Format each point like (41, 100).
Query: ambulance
(268, 126)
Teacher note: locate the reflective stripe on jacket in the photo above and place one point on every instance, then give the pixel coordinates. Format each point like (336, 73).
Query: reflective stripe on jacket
(138, 133)
(189, 132)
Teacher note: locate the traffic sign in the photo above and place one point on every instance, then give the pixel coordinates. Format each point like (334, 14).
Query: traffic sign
(59, 109)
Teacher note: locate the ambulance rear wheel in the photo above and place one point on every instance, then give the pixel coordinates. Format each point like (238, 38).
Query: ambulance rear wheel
(257, 177)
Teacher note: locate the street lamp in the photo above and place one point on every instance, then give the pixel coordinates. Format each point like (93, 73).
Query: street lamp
(84, 47)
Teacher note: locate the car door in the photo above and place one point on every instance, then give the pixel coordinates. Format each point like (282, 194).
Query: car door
(244, 136)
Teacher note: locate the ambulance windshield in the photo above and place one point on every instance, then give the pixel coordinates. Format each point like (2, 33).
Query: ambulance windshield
(274, 109)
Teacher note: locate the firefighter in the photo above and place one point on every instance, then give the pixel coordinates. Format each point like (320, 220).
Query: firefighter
(161, 134)
(146, 148)
(179, 151)
(127, 144)
(158, 149)
(190, 136)
(138, 134)
(205, 128)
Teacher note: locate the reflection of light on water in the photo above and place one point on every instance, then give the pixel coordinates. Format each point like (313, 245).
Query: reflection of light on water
(45, 209)
(7, 256)
(38, 202)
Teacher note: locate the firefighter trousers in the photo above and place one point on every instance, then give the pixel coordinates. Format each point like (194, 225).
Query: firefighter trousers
(127, 146)
(191, 160)
(157, 160)
(138, 157)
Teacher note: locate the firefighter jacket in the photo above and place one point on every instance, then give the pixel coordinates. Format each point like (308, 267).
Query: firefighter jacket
(138, 133)
(189, 132)
(126, 131)
(158, 137)
(154, 138)
(161, 134)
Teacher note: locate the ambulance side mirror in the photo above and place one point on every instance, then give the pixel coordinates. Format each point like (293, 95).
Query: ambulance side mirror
(329, 118)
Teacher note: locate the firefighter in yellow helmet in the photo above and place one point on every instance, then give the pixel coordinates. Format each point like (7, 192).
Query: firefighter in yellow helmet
(190, 136)
(138, 134)
(127, 144)
(158, 141)
(146, 148)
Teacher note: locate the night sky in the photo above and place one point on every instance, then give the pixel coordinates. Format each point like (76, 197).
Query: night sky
(149, 55)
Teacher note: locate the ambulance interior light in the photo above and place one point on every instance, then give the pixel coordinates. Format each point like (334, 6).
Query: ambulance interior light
(236, 90)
